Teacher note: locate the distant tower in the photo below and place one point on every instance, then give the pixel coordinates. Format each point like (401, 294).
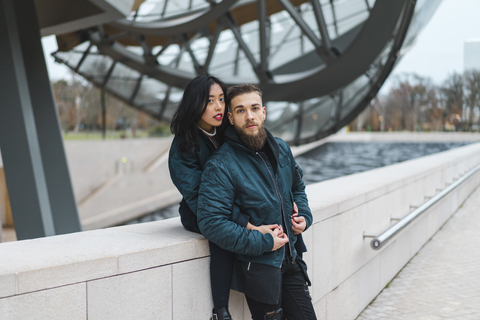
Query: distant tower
(471, 57)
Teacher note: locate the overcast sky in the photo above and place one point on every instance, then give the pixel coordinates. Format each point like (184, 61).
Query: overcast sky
(437, 52)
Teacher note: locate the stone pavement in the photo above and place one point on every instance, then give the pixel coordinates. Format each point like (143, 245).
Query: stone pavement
(443, 280)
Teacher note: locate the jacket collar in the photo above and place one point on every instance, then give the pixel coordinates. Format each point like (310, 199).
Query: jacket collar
(232, 138)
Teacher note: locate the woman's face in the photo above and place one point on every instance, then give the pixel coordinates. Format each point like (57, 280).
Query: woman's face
(213, 115)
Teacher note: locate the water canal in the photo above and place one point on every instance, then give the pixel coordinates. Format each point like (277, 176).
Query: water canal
(336, 159)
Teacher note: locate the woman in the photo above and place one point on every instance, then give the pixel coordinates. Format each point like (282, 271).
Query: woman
(198, 125)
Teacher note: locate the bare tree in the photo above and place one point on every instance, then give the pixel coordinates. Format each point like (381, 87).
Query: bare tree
(452, 97)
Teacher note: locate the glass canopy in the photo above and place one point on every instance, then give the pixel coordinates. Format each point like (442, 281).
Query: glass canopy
(319, 62)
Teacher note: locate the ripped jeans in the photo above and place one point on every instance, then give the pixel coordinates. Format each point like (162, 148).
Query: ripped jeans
(295, 297)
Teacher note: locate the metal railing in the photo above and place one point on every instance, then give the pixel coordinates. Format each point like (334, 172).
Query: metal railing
(380, 240)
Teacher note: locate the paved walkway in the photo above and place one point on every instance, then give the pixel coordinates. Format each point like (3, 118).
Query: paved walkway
(443, 280)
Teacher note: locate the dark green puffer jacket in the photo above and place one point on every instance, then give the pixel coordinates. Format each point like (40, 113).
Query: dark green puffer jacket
(186, 172)
(236, 176)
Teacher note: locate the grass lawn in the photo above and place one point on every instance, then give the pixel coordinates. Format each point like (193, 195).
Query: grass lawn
(97, 135)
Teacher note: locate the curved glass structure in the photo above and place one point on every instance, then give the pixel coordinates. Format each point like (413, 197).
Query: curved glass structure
(318, 62)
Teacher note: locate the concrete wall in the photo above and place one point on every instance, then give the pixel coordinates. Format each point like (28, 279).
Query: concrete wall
(158, 270)
(109, 191)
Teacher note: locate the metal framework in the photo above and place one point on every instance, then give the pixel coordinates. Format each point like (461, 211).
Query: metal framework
(36, 170)
(319, 63)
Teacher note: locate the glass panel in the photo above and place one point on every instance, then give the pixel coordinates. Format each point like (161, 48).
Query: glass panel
(137, 50)
(82, 47)
(224, 56)
(153, 107)
(149, 10)
(282, 119)
(281, 27)
(96, 67)
(353, 94)
(149, 91)
(70, 58)
(123, 80)
(251, 37)
(181, 7)
(155, 10)
(200, 49)
(169, 55)
(352, 22)
(274, 111)
(350, 13)
(286, 131)
(352, 88)
(186, 63)
(423, 12)
(289, 50)
(285, 44)
(329, 18)
(345, 9)
(316, 116)
(175, 97)
(309, 17)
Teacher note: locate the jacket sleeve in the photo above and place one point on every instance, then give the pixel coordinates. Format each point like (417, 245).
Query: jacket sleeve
(215, 203)
(186, 175)
(298, 190)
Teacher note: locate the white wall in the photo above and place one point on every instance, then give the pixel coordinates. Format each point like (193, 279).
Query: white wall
(158, 270)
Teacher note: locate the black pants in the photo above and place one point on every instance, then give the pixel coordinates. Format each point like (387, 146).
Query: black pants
(295, 296)
(221, 268)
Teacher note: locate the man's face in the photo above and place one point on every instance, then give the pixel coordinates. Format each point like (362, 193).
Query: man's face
(247, 114)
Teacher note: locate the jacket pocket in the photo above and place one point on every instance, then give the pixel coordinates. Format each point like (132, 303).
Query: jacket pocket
(283, 161)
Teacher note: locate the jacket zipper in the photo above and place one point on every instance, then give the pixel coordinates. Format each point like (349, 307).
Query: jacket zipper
(213, 142)
(281, 207)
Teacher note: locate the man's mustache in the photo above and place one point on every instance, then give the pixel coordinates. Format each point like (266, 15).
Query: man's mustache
(250, 123)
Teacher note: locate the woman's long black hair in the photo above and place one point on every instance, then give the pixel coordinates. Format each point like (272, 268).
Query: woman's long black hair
(190, 110)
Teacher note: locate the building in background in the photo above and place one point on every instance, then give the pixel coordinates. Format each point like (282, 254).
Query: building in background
(471, 54)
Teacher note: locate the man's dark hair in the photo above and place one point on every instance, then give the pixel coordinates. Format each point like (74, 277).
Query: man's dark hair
(190, 109)
(240, 89)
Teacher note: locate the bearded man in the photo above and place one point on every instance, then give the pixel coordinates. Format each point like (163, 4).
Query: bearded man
(256, 173)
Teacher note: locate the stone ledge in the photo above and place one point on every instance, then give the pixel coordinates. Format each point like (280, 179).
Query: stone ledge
(60, 260)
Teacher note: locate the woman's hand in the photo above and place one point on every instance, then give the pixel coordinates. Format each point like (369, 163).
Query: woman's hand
(264, 228)
(279, 239)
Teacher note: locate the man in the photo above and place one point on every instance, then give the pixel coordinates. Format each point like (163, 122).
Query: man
(256, 173)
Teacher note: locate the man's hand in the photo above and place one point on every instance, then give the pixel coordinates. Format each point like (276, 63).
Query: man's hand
(298, 223)
(279, 239)
(263, 228)
(295, 209)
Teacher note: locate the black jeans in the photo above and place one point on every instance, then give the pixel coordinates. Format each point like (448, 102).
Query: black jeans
(221, 268)
(295, 297)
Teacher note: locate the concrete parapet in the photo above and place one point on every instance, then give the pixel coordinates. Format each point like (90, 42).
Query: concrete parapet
(158, 270)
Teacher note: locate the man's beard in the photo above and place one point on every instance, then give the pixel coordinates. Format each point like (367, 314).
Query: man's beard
(253, 142)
